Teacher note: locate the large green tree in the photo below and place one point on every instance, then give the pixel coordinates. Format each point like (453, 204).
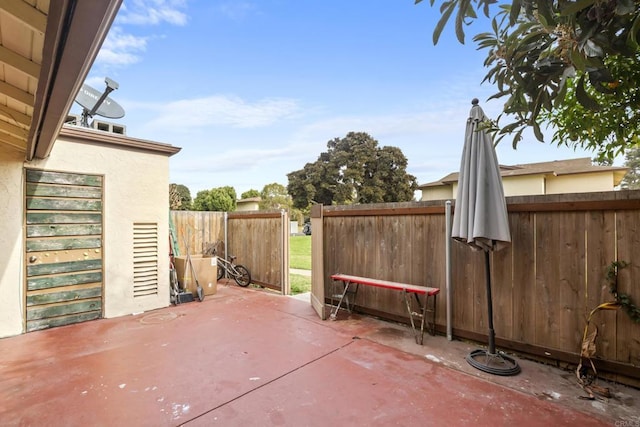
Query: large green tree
(354, 169)
(222, 199)
(179, 197)
(275, 196)
(571, 64)
(631, 180)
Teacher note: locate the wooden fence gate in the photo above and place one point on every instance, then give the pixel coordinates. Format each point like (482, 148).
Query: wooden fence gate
(259, 240)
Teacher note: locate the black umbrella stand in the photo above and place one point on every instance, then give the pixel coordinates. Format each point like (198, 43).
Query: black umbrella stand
(489, 360)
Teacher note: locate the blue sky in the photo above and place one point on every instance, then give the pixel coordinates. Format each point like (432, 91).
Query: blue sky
(253, 90)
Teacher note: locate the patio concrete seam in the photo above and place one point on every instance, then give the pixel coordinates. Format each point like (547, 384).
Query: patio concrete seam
(270, 381)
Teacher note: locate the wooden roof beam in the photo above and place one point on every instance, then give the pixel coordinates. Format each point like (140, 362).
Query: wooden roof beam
(15, 115)
(26, 14)
(19, 62)
(14, 142)
(16, 94)
(14, 130)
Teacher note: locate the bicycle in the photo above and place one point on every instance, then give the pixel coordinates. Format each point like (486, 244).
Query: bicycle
(240, 273)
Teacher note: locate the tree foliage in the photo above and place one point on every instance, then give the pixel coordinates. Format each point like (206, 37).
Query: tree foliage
(353, 170)
(275, 196)
(250, 194)
(179, 197)
(544, 55)
(631, 180)
(221, 199)
(614, 126)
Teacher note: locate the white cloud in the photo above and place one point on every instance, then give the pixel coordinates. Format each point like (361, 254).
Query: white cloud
(232, 160)
(219, 110)
(121, 49)
(237, 10)
(152, 12)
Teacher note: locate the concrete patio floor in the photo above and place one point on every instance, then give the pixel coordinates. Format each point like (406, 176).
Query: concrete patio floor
(250, 358)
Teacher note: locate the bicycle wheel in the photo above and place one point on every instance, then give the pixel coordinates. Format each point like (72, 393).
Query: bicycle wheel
(243, 278)
(220, 271)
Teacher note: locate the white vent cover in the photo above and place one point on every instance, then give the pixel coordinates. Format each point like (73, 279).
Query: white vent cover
(145, 259)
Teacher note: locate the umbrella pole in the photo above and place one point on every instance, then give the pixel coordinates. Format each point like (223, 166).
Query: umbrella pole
(492, 333)
(489, 360)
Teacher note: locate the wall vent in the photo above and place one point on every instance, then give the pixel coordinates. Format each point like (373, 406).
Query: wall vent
(109, 127)
(145, 259)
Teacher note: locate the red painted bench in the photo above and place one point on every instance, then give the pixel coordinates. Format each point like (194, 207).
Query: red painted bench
(428, 305)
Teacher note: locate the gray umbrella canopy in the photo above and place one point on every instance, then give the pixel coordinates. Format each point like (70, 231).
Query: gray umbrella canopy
(480, 215)
(480, 220)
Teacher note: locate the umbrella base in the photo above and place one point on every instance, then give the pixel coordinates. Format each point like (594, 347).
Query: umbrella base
(497, 364)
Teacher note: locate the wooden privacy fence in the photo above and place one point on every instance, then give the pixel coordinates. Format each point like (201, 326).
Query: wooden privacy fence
(259, 240)
(544, 284)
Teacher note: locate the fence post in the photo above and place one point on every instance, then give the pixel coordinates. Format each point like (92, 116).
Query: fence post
(447, 216)
(317, 261)
(286, 284)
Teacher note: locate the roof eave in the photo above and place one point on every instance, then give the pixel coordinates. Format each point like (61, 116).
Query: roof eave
(75, 32)
(88, 135)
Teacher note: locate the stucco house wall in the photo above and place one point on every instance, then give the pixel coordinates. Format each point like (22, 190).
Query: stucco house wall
(252, 204)
(437, 193)
(555, 177)
(523, 185)
(580, 182)
(11, 242)
(136, 182)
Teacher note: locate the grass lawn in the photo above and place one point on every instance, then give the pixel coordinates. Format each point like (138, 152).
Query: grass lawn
(299, 284)
(300, 252)
(300, 258)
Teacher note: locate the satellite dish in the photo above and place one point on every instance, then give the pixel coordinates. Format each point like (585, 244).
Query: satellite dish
(93, 102)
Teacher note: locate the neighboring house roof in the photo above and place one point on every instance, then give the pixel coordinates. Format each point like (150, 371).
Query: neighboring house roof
(249, 204)
(250, 199)
(47, 50)
(556, 168)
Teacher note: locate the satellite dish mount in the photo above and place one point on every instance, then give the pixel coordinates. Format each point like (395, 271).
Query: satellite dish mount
(94, 102)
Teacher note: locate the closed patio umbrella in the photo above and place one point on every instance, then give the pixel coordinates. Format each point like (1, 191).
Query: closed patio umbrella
(480, 220)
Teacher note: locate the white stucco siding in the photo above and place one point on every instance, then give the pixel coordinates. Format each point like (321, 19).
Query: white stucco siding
(523, 185)
(443, 192)
(135, 191)
(11, 242)
(580, 183)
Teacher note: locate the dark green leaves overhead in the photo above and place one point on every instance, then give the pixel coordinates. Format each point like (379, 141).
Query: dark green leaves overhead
(539, 49)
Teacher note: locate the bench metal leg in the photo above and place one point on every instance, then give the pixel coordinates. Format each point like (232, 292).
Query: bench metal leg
(343, 297)
(407, 301)
(424, 307)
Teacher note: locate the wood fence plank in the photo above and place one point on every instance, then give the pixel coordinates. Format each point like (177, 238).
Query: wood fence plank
(628, 332)
(502, 291)
(524, 277)
(571, 262)
(547, 301)
(463, 277)
(601, 252)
